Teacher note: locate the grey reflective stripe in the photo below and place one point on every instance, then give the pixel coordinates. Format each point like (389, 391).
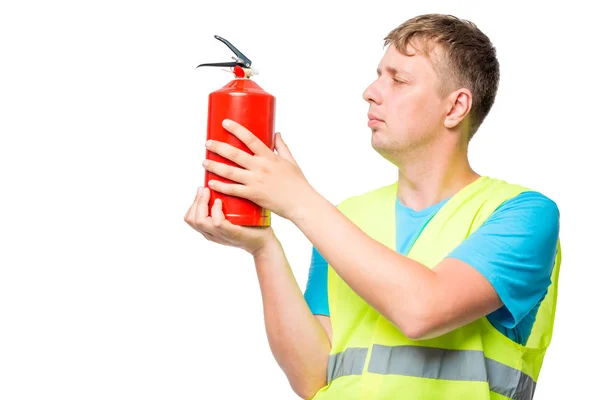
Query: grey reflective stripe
(508, 381)
(428, 362)
(458, 365)
(349, 362)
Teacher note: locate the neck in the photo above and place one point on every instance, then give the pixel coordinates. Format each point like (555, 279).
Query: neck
(432, 175)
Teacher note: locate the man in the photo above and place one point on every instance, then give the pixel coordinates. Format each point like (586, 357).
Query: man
(441, 285)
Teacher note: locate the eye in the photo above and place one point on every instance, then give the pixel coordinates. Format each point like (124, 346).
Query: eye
(397, 81)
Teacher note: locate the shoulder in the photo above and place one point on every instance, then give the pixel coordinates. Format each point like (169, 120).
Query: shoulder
(509, 202)
(522, 234)
(529, 210)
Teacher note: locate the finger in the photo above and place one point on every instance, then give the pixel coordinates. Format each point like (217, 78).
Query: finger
(248, 138)
(191, 213)
(218, 217)
(228, 230)
(231, 189)
(215, 222)
(238, 156)
(282, 149)
(227, 171)
(202, 209)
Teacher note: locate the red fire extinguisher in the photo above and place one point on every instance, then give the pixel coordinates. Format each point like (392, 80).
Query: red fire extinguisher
(245, 102)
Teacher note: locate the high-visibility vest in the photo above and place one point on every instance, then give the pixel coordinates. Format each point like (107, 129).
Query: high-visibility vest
(370, 357)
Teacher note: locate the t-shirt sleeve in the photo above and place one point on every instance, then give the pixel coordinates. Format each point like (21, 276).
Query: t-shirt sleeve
(515, 250)
(316, 287)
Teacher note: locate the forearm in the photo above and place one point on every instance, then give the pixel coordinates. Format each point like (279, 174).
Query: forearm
(399, 288)
(298, 342)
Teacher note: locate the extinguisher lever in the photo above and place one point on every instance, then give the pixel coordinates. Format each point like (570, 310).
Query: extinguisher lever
(240, 58)
(222, 64)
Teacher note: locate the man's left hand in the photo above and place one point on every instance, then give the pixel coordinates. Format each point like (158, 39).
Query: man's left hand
(273, 181)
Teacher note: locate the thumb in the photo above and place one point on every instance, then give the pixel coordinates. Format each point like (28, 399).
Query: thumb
(282, 149)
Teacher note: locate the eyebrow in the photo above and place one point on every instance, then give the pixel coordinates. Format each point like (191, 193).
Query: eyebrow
(393, 71)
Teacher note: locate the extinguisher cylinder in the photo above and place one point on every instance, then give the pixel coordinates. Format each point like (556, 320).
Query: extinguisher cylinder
(245, 102)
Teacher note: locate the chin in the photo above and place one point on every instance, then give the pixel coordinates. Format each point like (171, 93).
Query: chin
(388, 149)
(380, 146)
(380, 138)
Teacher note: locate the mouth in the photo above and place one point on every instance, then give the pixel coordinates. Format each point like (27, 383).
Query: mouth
(374, 120)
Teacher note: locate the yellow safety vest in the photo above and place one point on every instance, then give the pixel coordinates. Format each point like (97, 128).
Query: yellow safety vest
(371, 359)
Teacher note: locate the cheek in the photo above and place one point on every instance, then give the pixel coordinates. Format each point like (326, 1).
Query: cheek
(405, 114)
(413, 119)
(418, 111)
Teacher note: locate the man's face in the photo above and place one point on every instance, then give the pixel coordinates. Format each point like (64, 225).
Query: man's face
(405, 110)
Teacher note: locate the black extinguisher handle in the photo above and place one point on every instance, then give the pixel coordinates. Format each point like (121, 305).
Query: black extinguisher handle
(222, 64)
(240, 58)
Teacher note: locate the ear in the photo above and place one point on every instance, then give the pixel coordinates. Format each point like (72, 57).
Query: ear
(460, 102)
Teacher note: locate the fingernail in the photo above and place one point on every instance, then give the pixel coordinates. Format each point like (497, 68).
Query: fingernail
(226, 123)
(208, 143)
(204, 163)
(199, 189)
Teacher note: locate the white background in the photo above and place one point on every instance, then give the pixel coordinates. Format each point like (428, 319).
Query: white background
(106, 293)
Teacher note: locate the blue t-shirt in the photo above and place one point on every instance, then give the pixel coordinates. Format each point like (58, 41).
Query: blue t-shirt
(514, 249)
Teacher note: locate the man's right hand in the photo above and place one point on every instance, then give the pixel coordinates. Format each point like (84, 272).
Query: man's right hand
(217, 229)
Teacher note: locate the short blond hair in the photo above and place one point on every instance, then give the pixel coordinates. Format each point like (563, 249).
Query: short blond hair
(467, 58)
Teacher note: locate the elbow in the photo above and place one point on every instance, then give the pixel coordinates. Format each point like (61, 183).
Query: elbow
(305, 391)
(307, 388)
(418, 324)
(305, 395)
(417, 332)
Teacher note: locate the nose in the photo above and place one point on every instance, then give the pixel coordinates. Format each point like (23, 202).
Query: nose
(372, 94)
